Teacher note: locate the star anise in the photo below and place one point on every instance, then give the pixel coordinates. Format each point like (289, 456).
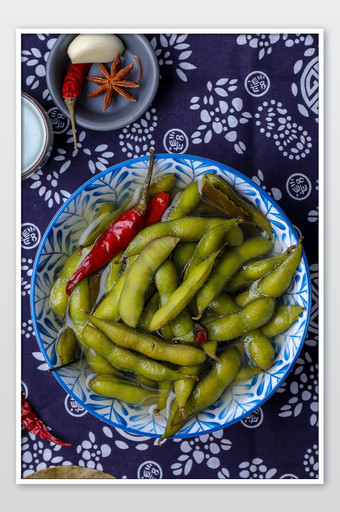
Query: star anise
(115, 81)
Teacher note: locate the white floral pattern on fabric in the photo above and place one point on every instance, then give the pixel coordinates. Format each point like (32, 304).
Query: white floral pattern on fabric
(290, 138)
(98, 158)
(91, 453)
(137, 138)
(256, 469)
(261, 42)
(220, 113)
(37, 454)
(303, 390)
(36, 59)
(200, 449)
(172, 50)
(311, 462)
(47, 187)
(274, 191)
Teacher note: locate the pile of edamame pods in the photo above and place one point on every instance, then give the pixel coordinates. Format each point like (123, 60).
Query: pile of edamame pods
(189, 307)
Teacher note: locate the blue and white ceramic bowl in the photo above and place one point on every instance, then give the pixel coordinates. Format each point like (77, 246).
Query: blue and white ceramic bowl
(60, 239)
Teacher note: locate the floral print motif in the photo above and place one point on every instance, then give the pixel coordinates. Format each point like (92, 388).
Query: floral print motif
(274, 191)
(136, 139)
(47, 187)
(256, 469)
(303, 390)
(98, 158)
(220, 113)
(262, 42)
(199, 449)
(172, 50)
(311, 462)
(36, 59)
(37, 454)
(91, 453)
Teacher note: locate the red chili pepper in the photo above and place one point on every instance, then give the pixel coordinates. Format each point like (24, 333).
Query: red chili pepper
(71, 89)
(33, 424)
(157, 207)
(200, 333)
(116, 238)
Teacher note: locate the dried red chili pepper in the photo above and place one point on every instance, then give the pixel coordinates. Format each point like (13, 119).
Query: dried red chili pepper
(116, 238)
(33, 424)
(157, 207)
(71, 89)
(200, 333)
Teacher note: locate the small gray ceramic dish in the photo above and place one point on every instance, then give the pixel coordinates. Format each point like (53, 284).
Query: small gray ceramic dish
(89, 111)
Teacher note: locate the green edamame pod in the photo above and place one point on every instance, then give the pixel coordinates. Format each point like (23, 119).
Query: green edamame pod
(80, 299)
(126, 360)
(188, 200)
(283, 318)
(227, 267)
(166, 281)
(164, 390)
(181, 297)
(257, 217)
(209, 389)
(151, 346)
(108, 309)
(187, 229)
(182, 255)
(253, 271)
(140, 275)
(223, 304)
(246, 372)
(211, 242)
(105, 208)
(58, 297)
(231, 326)
(148, 312)
(259, 348)
(163, 183)
(112, 271)
(183, 388)
(66, 346)
(111, 387)
(276, 282)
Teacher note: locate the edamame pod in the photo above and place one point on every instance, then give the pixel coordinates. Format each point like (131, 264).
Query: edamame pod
(227, 267)
(223, 304)
(80, 299)
(276, 282)
(126, 360)
(166, 281)
(112, 271)
(188, 199)
(254, 271)
(140, 275)
(111, 387)
(187, 229)
(105, 208)
(182, 255)
(181, 297)
(246, 372)
(183, 388)
(151, 346)
(163, 183)
(211, 242)
(283, 318)
(231, 326)
(58, 297)
(66, 346)
(148, 312)
(108, 308)
(208, 389)
(164, 390)
(259, 348)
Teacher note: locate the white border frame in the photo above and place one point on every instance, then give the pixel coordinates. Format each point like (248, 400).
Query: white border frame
(321, 242)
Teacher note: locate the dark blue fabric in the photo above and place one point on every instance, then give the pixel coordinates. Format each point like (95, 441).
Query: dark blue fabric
(251, 102)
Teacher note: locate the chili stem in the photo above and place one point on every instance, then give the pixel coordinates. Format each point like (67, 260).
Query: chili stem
(69, 102)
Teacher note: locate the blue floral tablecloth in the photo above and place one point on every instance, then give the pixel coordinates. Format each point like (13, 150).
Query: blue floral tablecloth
(249, 101)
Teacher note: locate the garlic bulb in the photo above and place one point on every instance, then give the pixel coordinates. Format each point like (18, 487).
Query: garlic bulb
(87, 48)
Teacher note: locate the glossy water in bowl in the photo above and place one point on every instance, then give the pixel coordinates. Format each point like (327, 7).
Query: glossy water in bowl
(61, 238)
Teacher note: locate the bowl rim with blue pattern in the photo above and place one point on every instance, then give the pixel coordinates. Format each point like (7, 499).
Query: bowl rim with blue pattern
(118, 182)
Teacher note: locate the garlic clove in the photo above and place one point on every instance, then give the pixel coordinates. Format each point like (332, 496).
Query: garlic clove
(90, 48)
